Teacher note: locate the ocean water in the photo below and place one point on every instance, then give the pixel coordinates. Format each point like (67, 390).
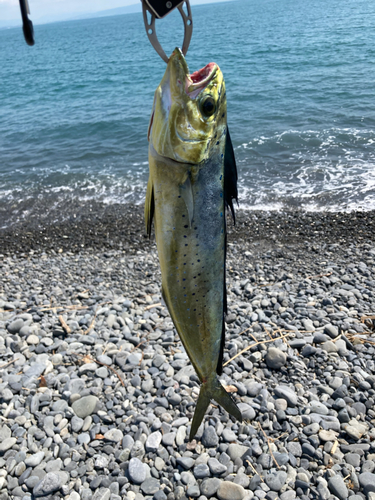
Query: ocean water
(300, 77)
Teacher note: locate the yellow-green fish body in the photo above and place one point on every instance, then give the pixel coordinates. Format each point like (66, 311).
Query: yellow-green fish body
(192, 179)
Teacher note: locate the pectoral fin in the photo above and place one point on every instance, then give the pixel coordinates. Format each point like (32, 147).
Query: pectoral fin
(149, 206)
(230, 175)
(187, 195)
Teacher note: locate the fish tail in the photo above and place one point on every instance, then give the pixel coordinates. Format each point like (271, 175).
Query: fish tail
(212, 389)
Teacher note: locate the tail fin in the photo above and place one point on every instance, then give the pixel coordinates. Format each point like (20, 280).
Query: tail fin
(212, 389)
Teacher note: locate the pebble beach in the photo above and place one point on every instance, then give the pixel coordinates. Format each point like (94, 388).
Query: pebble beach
(97, 393)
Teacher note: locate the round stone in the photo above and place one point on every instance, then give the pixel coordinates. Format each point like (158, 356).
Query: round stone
(153, 441)
(210, 486)
(7, 444)
(114, 435)
(230, 491)
(85, 406)
(201, 471)
(32, 339)
(275, 358)
(137, 471)
(276, 480)
(150, 486)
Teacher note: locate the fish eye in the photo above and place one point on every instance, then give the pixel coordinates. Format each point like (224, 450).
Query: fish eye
(207, 106)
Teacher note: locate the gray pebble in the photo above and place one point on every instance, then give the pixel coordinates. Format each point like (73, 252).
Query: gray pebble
(85, 406)
(275, 358)
(137, 471)
(209, 487)
(230, 491)
(209, 438)
(150, 486)
(337, 486)
(51, 482)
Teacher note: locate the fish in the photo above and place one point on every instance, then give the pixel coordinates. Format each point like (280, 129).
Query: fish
(192, 182)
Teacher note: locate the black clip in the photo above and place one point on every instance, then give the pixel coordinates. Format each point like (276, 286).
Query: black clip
(28, 29)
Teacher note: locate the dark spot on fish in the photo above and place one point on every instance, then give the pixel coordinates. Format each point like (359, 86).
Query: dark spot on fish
(183, 216)
(183, 279)
(217, 143)
(186, 227)
(198, 259)
(222, 116)
(220, 179)
(184, 263)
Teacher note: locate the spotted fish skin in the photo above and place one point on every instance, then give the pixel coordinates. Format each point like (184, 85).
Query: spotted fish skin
(187, 202)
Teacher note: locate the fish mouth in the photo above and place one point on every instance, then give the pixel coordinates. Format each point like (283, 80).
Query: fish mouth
(194, 82)
(197, 81)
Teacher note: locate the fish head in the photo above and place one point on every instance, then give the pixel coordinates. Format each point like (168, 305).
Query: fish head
(189, 112)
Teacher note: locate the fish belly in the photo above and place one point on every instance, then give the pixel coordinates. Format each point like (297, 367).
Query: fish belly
(191, 248)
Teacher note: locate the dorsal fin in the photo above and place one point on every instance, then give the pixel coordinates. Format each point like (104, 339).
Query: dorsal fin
(149, 206)
(230, 176)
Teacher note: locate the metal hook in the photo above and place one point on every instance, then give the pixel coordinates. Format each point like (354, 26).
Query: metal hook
(28, 29)
(151, 31)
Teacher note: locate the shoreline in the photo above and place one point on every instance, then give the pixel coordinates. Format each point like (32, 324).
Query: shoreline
(95, 226)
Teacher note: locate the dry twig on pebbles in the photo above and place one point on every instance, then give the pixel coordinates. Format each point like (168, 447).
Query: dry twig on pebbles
(269, 440)
(252, 345)
(318, 276)
(9, 363)
(88, 359)
(66, 327)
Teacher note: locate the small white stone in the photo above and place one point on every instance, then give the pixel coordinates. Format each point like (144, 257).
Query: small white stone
(32, 339)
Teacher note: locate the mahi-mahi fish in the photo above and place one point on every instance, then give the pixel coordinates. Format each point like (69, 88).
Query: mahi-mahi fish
(192, 180)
